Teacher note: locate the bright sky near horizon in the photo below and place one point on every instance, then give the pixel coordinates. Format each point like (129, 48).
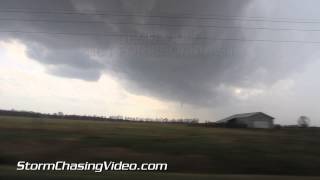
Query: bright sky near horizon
(25, 85)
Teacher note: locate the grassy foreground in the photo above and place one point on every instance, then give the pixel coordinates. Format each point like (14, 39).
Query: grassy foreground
(196, 151)
(9, 173)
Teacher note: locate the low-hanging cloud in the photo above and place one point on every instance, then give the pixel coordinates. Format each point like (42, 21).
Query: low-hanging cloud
(171, 61)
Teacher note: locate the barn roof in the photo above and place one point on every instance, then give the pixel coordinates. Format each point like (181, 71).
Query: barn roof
(243, 115)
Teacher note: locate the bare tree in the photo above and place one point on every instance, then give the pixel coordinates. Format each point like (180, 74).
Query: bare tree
(304, 121)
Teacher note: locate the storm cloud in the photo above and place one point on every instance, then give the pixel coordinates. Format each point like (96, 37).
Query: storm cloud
(159, 48)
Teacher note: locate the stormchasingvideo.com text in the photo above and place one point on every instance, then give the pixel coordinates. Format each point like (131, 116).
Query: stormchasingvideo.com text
(88, 166)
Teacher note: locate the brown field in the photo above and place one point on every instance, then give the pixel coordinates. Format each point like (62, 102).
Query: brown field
(191, 152)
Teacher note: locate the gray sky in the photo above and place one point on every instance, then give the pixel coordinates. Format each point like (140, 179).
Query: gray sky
(161, 58)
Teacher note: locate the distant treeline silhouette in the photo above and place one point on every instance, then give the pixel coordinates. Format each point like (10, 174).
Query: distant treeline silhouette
(192, 122)
(60, 115)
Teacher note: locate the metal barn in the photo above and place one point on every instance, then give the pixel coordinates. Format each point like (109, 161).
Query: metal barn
(248, 120)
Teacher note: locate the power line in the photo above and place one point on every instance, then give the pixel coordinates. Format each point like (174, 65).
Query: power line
(213, 17)
(162, 14)
(168, 37)
(167, 14)
(158, 24)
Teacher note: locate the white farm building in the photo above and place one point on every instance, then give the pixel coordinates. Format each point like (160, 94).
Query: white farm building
(249, 120)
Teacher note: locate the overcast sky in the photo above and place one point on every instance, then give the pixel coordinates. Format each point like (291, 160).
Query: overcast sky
(202, 59)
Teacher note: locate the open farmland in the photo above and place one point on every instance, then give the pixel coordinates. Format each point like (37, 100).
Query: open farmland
(191, 152)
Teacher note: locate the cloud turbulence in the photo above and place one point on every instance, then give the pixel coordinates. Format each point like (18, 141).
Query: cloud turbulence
(180, 60)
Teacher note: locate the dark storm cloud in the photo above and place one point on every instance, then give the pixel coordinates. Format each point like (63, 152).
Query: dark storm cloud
(168, 62)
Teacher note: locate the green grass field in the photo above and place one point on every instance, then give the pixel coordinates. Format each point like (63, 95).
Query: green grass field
(191, 152)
